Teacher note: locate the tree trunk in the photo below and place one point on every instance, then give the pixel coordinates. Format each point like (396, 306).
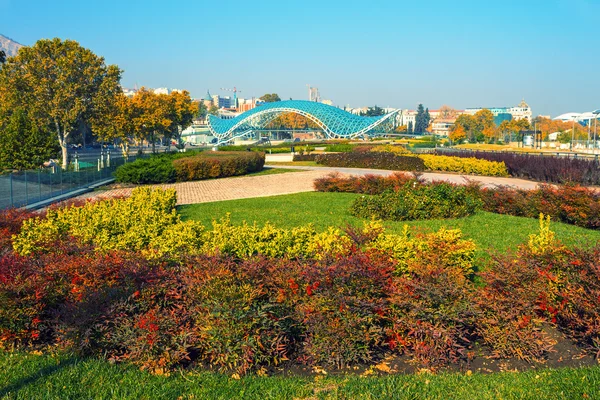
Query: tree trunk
(65, 154)
(153, 142)
(125, 148)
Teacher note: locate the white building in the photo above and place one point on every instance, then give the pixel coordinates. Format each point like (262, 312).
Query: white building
(585, 118)
(522, 111)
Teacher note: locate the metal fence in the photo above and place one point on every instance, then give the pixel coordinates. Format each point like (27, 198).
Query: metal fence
(18, 189)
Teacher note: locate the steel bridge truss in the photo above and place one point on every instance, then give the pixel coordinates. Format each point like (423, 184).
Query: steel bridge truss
(334, 123)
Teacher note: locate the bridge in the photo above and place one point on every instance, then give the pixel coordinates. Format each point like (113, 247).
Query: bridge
(334, 122)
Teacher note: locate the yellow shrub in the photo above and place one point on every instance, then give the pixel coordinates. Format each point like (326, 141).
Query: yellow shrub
(444, 247)
(118, 224)
(388, 148)
(471, 165)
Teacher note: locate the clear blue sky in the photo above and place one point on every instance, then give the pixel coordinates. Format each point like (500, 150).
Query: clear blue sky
(389, 53)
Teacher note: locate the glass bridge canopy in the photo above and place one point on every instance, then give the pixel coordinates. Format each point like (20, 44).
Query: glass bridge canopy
(334, 122)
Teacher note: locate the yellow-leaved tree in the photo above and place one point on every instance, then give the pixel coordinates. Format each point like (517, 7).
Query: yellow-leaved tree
(59, 84)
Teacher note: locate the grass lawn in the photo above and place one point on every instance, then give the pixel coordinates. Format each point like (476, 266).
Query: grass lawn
(28, 376)
(491, 232)
(295, 163)
(272, 170)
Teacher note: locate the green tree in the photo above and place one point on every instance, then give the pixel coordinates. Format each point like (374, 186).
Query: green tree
(58, 83)
(214, 110)
(201, 110)
(2, 57)
(422, 119)
(410, 127)
(373, 112)
(270, 98)
(24, 144)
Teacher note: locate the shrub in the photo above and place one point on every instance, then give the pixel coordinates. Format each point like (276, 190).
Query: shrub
(445, 247)
(367, 184)
(371, 160)
(571, 204)
(117, 224)
(542, 168)
(432, 317)
(388, 148)
(415, 201)
(156, 169)
(464, 165)
(218, 165)
(304, 157)
(340, 148)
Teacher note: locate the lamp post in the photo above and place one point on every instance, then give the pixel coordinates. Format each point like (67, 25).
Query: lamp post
(596, 113)
(572, 134)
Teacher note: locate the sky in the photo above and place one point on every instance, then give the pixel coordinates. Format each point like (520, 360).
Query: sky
(358, 53)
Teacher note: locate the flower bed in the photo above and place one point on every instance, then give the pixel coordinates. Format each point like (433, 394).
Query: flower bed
(237, 308)
(471, 165)
(571, 204)
(373, 160)
(544, 168)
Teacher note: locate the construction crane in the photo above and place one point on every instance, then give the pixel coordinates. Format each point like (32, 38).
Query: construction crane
(235, 92)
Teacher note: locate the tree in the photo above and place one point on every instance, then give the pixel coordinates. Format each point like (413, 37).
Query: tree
(153, 115)
(458, 133)
(447, 112)
(116, 122)
(489, 133)
(410, 127)
(373, 112)
(270, 98)
(58, 83)
(201, 110)
(2, 57)
(214, 110)
(402, 128)
(24, 144)
(422, 119)
(181, 114)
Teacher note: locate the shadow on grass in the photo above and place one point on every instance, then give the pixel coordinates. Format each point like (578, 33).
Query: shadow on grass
(40, 374)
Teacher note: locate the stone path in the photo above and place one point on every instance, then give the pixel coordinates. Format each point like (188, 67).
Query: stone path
(287, 183)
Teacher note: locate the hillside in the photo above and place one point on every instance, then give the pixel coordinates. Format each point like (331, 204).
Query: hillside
(9, 46)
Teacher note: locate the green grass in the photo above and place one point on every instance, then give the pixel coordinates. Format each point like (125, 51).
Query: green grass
(271, 170)
(491, 232)
(295, 163)
(27, 376)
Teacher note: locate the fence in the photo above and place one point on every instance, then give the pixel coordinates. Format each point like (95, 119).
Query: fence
(19, 189)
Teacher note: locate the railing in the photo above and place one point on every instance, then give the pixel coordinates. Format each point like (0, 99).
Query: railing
(19, 189)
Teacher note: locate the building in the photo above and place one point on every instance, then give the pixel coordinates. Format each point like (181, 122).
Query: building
(585, 119)
(207, 99)
(246, 104)
(313, 94)
(521, 111)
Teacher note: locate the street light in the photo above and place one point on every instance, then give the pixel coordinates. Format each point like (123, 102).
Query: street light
(573, 133)
(596, 113)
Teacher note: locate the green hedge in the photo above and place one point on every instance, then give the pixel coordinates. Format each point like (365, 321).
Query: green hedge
(416, 201)
(374, 160)
(172, 167)
(156, 169)
(218, 165)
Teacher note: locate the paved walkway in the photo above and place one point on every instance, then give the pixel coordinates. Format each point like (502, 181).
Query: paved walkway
(287, 183)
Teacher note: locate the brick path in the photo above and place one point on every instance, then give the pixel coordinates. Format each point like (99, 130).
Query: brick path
(287, 183)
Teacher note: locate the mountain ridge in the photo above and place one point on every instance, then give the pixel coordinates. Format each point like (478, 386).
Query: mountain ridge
(10, 47)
